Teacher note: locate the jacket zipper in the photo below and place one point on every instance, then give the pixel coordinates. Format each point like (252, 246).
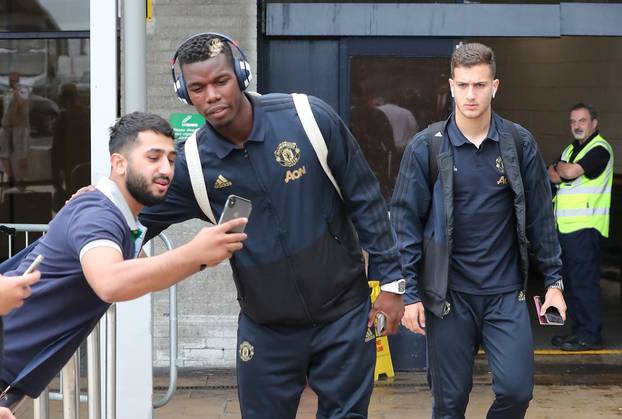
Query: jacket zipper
(283, 245)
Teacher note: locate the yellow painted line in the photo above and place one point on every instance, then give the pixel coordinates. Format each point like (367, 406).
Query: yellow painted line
(560, 352)
(593, 352)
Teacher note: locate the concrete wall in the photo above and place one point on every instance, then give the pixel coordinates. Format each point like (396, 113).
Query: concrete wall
(207, 307)
(541, 79)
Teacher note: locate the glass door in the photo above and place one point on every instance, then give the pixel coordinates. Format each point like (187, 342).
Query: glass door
(395, 88)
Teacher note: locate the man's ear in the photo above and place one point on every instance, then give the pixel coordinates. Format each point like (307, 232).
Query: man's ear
(495, 87)
(118, 164)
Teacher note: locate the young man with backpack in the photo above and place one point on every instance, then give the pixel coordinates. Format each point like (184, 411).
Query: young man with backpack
(472, 193)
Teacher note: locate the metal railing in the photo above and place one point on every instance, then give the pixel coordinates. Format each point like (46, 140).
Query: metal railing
(172, 341)
(70, 374)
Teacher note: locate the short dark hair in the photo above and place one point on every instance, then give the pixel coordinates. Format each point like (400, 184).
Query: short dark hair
(203, 47)
(125, 131)
(472, 54)
(589, 108)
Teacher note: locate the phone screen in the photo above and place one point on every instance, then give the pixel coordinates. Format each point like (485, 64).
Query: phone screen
(381, 324)
(553, 317)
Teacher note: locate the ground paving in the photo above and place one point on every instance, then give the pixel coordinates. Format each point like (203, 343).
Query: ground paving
(579, 387)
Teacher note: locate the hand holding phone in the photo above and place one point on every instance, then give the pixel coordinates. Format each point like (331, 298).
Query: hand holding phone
(551, 317)
(15, 289)
(235, 207)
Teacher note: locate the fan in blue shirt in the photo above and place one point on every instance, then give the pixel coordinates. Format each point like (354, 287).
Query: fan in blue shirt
(90, 252)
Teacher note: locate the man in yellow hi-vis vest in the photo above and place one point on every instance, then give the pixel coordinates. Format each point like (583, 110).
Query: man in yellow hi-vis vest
(583, 176)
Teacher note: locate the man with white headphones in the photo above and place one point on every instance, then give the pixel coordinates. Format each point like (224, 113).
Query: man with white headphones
(306, 315)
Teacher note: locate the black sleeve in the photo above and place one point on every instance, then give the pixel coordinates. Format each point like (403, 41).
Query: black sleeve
(594, 162)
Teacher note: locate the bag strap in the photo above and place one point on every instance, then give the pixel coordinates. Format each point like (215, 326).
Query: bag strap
(518, 140)
(196, 177)
(301, 101)
(303, 108)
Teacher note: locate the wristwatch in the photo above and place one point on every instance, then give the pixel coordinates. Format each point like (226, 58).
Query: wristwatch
(559, 284)
(395, 287)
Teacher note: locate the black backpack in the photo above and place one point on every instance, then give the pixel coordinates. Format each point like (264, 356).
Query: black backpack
(436, 141)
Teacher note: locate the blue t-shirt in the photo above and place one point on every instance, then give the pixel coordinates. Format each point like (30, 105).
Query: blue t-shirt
(63, 308)
(485, 258)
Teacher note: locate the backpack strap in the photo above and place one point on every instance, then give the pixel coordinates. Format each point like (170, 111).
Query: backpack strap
(518, 140)
(197, 179)
(435, 141)
(303, 108)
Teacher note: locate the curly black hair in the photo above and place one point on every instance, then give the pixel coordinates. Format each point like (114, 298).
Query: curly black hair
(203, 47)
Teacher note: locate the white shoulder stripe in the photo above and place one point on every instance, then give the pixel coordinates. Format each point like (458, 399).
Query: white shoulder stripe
(99, 243)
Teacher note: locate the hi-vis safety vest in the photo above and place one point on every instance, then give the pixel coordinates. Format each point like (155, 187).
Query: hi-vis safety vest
(583, 202)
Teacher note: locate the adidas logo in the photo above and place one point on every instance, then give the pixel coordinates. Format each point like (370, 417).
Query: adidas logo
(222, 182)
(369, 335)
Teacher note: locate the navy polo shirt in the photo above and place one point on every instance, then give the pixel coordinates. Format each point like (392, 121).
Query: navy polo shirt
(63, 308)
(485, 254)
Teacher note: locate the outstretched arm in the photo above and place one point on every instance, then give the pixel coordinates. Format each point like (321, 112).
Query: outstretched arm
(114, 279)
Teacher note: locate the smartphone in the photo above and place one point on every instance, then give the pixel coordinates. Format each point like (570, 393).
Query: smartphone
(551, 316)
(34, 265)
(235, 207)
(381, 323)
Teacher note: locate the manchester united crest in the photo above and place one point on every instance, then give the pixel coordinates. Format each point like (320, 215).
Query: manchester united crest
(287, 154)
(246, 351)
(499, 165)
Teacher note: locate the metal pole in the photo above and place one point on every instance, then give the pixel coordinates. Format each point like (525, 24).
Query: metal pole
(172, 342)
(94, 377)
(71, 388)
(111, 364)
(134, 335)
(172, 345)
(42, 405)
(134, 56)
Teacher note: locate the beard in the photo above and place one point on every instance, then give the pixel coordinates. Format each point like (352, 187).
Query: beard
(138, 186)
(579, 135)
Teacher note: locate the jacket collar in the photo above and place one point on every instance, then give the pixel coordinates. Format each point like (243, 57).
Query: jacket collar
(113, 193)
(457, 138)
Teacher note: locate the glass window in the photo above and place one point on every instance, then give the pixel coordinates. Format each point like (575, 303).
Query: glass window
(45, 126)
(44, 15)
(392, 98)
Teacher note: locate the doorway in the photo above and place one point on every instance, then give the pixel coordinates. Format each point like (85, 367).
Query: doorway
(540, 80)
